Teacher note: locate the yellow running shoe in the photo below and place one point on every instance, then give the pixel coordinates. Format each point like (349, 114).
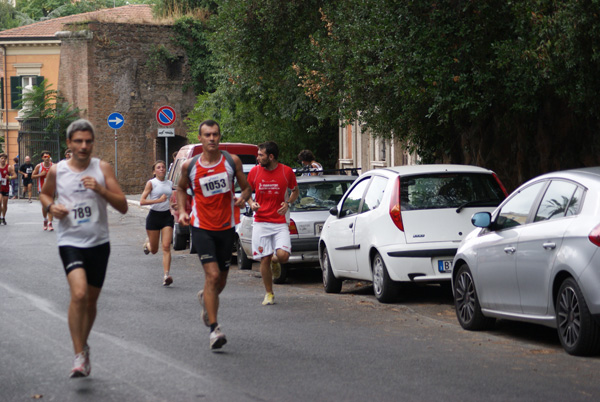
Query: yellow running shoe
(269, 299)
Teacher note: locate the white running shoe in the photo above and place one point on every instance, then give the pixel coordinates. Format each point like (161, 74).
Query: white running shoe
(217, 339)
(204, 312)
(81, 366)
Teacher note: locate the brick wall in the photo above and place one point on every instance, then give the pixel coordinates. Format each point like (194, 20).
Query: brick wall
(104, 69)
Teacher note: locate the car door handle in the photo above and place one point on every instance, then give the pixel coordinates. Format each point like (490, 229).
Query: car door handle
(509, 250)
(351, 225)
(549, 245)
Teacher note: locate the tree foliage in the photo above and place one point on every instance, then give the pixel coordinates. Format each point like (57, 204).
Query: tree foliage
(45, 103)
(45, 9)
(509, 85)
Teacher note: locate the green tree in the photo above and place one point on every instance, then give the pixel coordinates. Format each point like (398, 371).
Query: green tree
(8, 17)
(507, 85)
(255, 46)
(46, 9)
(44, 103)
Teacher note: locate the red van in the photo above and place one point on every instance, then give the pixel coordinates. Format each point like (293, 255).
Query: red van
(246, 152)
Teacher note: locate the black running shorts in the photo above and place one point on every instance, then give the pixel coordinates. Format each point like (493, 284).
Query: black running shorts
(156, 220)
(93, 260)
(214, 245)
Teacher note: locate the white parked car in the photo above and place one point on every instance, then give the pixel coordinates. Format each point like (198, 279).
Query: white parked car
(404, 224)
(318, 194)
(536, 259)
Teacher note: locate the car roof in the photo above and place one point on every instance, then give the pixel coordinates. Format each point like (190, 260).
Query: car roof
(585, 175)
(326, 177)
(434, 168)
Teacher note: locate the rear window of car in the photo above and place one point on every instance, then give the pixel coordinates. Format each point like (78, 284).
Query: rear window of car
(320, 196)
(449, 190)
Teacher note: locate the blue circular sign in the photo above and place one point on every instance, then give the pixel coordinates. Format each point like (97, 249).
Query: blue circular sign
(166, 115)
(115, 120)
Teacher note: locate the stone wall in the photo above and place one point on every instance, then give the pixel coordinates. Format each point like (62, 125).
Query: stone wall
(105, 68)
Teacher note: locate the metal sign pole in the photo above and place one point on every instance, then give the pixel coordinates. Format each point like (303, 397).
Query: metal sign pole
(116, 169)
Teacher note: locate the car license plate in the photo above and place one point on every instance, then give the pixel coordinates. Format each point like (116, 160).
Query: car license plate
(318, 228)
(445, 266)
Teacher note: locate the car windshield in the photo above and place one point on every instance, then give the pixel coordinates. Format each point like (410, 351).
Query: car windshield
(449, 190)
(320, 196)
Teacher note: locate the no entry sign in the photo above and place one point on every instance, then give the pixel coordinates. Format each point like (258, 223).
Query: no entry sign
(166, 115)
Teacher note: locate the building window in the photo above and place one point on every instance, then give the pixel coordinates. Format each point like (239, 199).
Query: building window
(19, 82)
(380, 149)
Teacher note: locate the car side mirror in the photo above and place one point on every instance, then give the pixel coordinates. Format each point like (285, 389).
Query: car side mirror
(482, 219)
(334, 211)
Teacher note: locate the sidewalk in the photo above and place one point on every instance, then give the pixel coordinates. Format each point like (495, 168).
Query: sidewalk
(134, 199)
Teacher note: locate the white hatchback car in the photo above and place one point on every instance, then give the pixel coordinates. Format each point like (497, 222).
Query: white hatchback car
(403, 224)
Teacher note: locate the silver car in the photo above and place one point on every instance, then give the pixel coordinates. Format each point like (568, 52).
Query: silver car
(536, 259)
(318, 194)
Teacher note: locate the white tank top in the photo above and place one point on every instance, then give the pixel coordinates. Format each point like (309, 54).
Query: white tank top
(159, 188)
(87, 222)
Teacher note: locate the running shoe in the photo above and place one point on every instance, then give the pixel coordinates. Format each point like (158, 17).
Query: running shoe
(217, 339)
(167, 280)
(81, 366)
(50, 228)
(204, 312)
(3, 221)
(146, 249)
(275, 269)
(45, 225)
(30, 201)
(269, 299)
(86, 354)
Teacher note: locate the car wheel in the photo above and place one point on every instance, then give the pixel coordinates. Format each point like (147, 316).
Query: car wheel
(282, 274)
(468, 310)
(330, 282)
(179, 239)
(242, 259)
(578, 331)
(385, 289)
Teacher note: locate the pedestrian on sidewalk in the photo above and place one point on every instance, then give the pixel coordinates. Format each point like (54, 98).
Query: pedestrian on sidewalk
(159, 222)
(85, 186)
(272, 183)
(215, 212)
(309, 164)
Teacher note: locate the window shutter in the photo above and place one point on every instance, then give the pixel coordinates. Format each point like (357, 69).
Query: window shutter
(39, 79)
(2, 93)
(15, 92)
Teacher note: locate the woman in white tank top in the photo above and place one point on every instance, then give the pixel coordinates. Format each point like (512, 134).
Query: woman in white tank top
(159, 222)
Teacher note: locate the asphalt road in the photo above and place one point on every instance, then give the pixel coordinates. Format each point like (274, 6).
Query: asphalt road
(149, 344)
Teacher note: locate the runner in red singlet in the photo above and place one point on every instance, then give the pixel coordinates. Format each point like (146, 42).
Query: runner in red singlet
(213, 217)
(7, 173)
(40, 172)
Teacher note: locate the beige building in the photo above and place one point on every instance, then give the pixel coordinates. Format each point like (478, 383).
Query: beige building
(360, 149)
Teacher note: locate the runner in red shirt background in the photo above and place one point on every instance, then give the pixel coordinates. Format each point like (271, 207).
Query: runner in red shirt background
(271, 182)
(40, 172)
(7, 173)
